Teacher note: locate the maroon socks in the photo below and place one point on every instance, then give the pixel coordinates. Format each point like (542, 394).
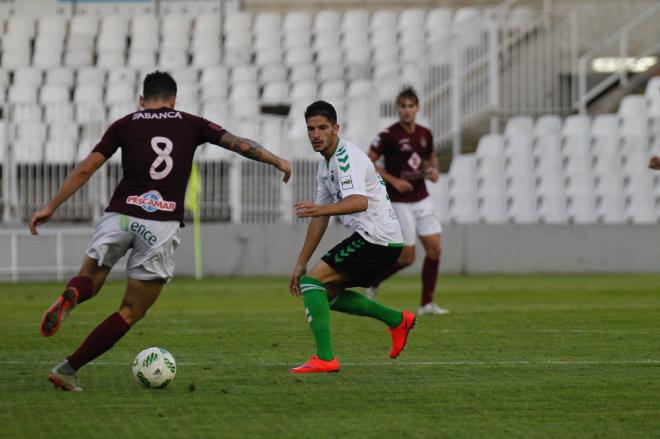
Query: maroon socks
(429, 278)
(83, 285)
(101, 339)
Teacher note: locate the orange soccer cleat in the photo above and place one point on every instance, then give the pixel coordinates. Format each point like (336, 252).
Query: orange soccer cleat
(316, 365)
(53, 318)
(400, 333)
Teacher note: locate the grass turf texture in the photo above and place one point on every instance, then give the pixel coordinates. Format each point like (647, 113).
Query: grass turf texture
(520, 356)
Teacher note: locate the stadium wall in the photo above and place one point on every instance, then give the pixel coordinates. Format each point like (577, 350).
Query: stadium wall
(253, 250)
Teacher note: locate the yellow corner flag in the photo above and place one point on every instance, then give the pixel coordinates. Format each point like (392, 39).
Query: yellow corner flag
(192, 203)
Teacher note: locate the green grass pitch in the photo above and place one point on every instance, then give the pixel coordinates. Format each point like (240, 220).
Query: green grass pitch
(520, 356)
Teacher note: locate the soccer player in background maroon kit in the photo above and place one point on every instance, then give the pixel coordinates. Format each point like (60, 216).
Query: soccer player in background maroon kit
(145, 213)
(409, 158)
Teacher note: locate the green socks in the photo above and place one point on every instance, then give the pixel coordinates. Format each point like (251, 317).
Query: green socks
(350, 302)
(317, 310)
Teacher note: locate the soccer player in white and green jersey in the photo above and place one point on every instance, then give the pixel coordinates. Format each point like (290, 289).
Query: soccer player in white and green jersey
(349, 186)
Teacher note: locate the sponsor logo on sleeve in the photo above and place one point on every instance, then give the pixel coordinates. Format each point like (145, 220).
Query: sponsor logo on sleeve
(346, 182)
(151, 201)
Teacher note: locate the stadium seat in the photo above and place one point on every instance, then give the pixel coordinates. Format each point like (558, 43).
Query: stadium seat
(142, 59)
(383, 19)
(60, 112)
(354, 19)
(208, 24)
(266, 57)
(22, 94)
(91, 75)
(60, 151)
(302, 72)
(60, 76)
(438, 24)
(303, 91)
(244, 74)
(272, 73)
(169, 59)
(120, 92)
(54, 25)
(547, 124)
(519, 125)
(114, 24)
(88, 93)
(462, 189)
(327, 20)
(218, 75)
(297, 22)
(144, 24)
(175, 24)
(206, 56)
(47, 58)
(54, 94)
(83, 26)
(267, 22)
(275, 93)
(27, 152)
(297, 56)
(639, 197)
(121, 109)
(29, 75)
(110, 41)
(77, 58)
(293, 39)
(325, 40)
(238, 21)
(22, 25)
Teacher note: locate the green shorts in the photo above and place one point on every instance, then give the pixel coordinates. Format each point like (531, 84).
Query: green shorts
(361, 261)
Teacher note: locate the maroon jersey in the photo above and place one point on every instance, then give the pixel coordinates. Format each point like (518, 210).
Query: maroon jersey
(404, 155)
(157, 149)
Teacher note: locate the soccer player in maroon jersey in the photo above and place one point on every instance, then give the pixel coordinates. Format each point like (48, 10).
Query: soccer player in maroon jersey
(654, 162)
(407, 149)
(145, 213)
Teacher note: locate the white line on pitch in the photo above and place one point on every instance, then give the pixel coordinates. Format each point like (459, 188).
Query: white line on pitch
(402, 363)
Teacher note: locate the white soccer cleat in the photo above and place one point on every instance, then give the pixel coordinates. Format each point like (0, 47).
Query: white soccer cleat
(371, 293)
(64, 377)
(431, 308)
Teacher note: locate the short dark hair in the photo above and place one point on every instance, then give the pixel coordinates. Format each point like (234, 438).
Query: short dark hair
(158, 85)
(322, 108)
(407, 92)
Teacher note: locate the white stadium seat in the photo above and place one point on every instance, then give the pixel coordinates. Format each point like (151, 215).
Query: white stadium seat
(327, 20)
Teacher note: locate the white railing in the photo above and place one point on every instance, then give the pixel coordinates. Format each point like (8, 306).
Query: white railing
(629, 42)
(494, 67)
(234, 189)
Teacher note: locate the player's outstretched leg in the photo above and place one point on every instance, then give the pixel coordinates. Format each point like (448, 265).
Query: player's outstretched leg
(64, 377)
(77, 290)
(317, 309)
(399, 322)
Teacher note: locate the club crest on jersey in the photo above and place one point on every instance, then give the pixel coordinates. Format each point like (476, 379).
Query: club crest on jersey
(166, 115)
(151, 201)
(346, 182)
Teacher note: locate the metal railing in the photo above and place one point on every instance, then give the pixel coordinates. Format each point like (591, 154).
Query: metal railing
(494, 68)
(234, 189)
(626, 43)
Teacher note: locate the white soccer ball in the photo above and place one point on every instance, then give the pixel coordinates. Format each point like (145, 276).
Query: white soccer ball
(154, 368)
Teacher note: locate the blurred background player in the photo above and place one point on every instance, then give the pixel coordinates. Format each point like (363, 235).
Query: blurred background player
(654, 162)
(144, 214)
(348, 185)
(407, 149)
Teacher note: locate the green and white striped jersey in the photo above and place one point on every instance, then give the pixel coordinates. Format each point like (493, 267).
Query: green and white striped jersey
(350, 172)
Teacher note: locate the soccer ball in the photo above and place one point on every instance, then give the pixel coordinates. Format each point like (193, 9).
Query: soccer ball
(154, 368)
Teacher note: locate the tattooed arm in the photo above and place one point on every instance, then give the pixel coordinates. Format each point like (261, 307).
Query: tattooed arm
(253, 150)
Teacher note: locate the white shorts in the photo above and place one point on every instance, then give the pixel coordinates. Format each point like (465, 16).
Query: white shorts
(417, 219)
(153, 244)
